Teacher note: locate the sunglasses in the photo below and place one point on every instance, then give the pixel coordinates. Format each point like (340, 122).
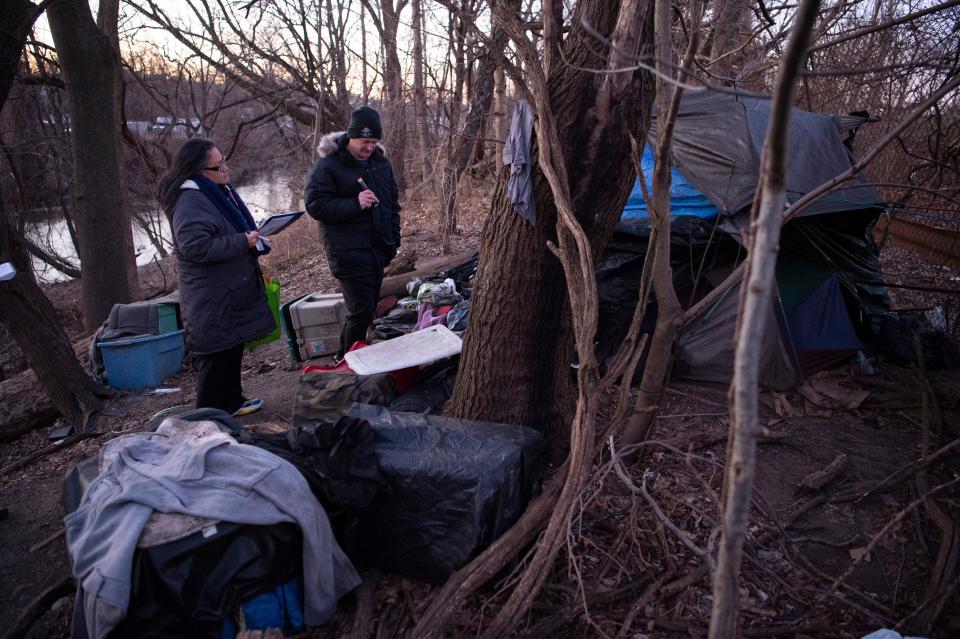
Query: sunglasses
(219, 167)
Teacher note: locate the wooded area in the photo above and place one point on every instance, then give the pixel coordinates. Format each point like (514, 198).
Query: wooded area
(94, 106)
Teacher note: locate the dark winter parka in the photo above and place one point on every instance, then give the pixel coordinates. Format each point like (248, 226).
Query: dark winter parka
(222, 297)
(357, 241)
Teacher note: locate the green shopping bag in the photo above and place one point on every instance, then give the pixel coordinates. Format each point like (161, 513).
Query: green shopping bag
(273, 301)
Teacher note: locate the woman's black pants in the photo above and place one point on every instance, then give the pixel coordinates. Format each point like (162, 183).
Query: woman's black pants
(218, 383)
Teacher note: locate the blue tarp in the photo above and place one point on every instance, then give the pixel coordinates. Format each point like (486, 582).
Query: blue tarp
(822, 322)
(685, 199)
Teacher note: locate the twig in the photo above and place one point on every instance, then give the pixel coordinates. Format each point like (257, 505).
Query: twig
(40, 544)
(893, 523)
(672, 527)
(52, 448)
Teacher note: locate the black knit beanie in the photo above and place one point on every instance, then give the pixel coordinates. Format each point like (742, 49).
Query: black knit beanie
(365, 123)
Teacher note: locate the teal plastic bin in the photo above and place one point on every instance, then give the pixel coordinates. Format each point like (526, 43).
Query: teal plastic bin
(167, 318)
(143, 361)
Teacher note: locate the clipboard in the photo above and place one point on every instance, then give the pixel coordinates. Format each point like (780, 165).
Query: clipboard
(276, 223)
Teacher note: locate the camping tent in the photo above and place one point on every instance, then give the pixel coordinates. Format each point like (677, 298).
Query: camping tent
(828, 278)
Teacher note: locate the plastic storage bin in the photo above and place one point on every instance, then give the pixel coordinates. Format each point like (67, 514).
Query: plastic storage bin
(167, 318)
(143, 361)
(315, 322)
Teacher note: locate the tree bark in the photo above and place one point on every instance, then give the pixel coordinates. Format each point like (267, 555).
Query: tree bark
(90, 68)
(517, 355)
(108, 16)
(499, 111)
(731, 33)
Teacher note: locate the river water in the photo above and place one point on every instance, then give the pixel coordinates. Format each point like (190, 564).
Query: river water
(264, 197)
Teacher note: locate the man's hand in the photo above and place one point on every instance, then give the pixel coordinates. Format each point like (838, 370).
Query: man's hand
(252, 237)
(367, 199)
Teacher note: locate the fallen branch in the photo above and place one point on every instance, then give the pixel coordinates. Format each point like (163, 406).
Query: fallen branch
(893, 523)
(820, 478)
(43, 452)
(55, 536)
(911, 468)
(655, 507)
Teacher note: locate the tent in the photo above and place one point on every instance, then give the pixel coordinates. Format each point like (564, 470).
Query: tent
(829, 289)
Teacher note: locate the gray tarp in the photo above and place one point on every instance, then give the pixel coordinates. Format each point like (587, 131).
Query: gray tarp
(705, 348)
(716, 147)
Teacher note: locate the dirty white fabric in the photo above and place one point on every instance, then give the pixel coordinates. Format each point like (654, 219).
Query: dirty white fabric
(194, 469)
(516, 153)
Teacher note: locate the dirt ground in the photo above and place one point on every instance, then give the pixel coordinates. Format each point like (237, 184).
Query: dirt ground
(621, 561)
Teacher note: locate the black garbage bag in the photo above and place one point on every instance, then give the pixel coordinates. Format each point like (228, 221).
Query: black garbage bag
(453, 487)
(336, 458)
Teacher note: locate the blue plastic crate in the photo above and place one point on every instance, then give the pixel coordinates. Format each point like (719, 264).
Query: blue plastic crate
(142, 362)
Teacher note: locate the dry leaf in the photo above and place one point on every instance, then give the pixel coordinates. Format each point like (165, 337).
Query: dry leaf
(860, 553)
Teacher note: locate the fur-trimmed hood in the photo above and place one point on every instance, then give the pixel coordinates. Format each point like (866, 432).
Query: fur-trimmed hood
(330, 141)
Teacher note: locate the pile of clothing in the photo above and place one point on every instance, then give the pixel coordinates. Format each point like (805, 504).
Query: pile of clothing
(195, 528)
(441, 299)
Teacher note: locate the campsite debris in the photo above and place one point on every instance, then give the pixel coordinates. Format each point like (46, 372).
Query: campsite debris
(59, 432)
(419, 347)
(820, 478)
(780, 405)
(60, 445)
(825, 393)
(860, 554)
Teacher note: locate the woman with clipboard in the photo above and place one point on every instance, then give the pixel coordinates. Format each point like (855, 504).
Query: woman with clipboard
(222, 297)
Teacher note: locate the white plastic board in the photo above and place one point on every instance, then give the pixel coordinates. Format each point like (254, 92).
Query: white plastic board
(412, 349)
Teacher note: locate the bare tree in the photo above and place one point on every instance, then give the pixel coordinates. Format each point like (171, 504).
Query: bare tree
(24, 310)
(90, 65)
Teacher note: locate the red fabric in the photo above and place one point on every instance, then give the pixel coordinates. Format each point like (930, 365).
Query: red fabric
(404, 378)
(384, 306)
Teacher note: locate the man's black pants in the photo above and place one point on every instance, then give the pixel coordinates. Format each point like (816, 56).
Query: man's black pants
(218, 381)
(360, 294)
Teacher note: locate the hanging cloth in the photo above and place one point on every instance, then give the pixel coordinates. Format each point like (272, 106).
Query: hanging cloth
(516, 153)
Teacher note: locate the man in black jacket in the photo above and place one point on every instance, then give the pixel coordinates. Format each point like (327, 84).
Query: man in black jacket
(353, 193)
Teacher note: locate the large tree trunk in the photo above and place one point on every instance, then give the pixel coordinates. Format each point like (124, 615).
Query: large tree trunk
(108, 16)
(90, 69)
(518, 353)
(32, 321)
